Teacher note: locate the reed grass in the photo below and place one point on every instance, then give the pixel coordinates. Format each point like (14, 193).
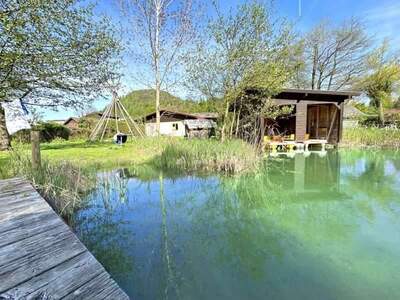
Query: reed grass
(208, 155)
(62, 184)
(371, 137)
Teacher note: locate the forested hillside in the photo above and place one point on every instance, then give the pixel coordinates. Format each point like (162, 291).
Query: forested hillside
(141, 102)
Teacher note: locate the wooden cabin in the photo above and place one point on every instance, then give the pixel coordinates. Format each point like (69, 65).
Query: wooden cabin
(181, 124)
(315, 114)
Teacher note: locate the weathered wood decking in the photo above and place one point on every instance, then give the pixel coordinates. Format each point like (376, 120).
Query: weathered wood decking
(40, 257)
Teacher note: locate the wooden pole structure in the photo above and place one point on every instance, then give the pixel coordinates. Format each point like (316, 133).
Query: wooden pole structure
(35, 141)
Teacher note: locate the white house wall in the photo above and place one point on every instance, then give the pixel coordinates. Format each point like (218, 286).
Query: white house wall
(166, 128)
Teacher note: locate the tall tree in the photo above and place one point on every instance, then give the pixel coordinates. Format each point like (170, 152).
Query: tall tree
(222, 62)
(161, 30)
(53, 54)
(382, 80)
(333, 56)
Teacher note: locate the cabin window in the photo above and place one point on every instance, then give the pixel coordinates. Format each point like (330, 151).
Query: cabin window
(175, 126)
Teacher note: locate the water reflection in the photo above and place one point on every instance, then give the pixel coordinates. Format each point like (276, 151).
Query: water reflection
(302, 227)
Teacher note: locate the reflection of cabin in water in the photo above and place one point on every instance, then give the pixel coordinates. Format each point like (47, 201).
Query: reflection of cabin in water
(312, 177)
(316, 114)
(181, 124)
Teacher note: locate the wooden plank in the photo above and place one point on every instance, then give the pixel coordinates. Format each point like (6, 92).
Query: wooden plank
(15, 203)
(60, 280)
(34, 246)
(40, 255)
(18, 231)
(25, 220)
(99, 288)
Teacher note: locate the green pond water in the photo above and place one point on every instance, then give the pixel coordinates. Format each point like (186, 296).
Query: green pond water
(301, 228)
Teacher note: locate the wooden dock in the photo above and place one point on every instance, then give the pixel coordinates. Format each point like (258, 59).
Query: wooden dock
(40, 257)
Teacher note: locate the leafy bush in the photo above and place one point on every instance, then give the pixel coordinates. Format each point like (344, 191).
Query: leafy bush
(48, 132)
(369, 121)
(391, 120)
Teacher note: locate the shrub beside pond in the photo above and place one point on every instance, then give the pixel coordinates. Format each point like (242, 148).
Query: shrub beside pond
(372, 137)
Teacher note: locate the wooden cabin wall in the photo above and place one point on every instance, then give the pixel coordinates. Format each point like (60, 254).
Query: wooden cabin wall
(301, 121)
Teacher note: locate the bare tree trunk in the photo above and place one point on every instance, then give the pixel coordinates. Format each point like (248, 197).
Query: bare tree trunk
(158, 117)
(232, 122)
(4, 136)
(223, 135)
(237, 123)
(157, 65)
(381, 113)
(314, 68)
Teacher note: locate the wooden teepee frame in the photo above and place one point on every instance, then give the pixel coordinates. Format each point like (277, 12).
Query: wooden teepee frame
(119, 110)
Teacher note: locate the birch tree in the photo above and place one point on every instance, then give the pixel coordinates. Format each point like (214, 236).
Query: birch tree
(161, 29)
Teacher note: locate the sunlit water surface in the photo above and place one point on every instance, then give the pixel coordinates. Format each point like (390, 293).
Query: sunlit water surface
(303, 228)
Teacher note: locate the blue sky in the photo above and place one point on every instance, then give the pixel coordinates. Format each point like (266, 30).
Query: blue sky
(381, 18)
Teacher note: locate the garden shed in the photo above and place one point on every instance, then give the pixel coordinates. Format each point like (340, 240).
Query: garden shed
(315, 115)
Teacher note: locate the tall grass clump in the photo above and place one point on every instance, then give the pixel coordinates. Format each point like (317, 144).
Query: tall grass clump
(208, 155)
(372, 137)
(62, 184)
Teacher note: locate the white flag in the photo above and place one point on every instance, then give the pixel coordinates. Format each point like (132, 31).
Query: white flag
(16, 118)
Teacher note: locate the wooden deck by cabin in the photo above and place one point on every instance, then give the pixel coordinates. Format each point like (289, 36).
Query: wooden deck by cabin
(40, 257)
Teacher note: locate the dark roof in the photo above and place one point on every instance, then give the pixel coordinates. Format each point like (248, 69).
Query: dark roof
(315, 95)
(178, 114)
(71, 119)
(206, 115)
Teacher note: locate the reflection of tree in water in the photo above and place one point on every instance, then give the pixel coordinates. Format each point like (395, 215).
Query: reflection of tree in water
(171, 284)
(260, 216)
(102, 230)
(246, 226)
(371, 180)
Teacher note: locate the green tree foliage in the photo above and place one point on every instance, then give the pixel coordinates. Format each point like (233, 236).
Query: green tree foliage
(53, 53)
(236, 48)
(383, 79)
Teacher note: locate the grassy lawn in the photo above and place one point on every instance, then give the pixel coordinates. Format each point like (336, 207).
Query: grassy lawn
(104, 153)
(140, 150)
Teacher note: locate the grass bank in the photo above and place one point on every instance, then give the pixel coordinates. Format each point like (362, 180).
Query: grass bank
(371, 137)
(62, 184)
(208, 155)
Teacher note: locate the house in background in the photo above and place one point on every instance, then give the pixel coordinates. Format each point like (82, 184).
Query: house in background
(72, 123)
(181, 124)
(351, 116)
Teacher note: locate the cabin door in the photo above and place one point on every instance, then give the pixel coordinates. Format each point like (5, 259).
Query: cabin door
(312, 121)
(318, 121)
